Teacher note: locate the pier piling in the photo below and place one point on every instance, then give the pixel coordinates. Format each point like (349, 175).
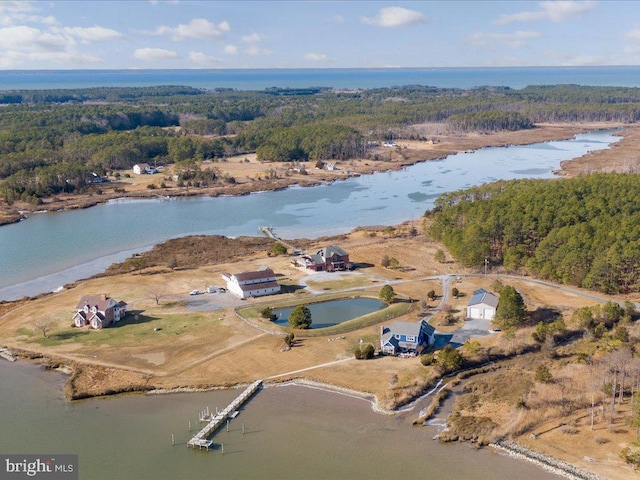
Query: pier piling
(201, 439)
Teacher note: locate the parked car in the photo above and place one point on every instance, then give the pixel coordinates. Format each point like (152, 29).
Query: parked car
(195, 292)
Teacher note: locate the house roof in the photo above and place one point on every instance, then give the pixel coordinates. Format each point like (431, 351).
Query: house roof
(326, 252)
(255, 286)
(482, 296)
(142, 165)
(257, 275)
(101, 301)
(405, 328)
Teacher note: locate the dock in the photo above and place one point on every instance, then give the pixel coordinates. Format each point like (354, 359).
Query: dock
(7, 355)
(214, 421)
(271, 233)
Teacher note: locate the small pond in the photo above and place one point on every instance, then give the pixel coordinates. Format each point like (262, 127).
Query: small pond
(333, 312)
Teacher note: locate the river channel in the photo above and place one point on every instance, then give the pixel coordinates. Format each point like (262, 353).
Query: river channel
(51, 249)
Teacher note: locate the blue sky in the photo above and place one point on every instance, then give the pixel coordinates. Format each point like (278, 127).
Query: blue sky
(108, 34)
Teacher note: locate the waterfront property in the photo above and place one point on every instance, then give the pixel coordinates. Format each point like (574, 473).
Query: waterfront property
(329, 259)
(482, 305)
(98, 311)
(252, 284)
(410, 338)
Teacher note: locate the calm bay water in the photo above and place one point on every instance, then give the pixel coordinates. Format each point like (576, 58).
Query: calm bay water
(352, 78)
(290, 433)
(49, 250)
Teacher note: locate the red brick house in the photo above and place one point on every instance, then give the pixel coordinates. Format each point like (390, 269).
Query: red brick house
(329, 259)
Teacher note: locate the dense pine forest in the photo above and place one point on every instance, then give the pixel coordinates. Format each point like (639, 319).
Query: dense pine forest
(583, 231)
(54, 141)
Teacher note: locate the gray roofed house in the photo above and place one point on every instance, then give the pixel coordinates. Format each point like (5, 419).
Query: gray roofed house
(482, 305)
(328, 259)
(406, 337)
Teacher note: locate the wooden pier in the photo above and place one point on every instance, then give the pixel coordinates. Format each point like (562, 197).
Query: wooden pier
(7, 355)
(215, 421)
(271, 233)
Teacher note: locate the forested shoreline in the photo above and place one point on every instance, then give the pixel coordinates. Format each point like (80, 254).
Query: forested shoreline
(64, 141)
(583, 231)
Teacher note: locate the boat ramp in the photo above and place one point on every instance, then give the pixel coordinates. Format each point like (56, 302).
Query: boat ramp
(215, 421)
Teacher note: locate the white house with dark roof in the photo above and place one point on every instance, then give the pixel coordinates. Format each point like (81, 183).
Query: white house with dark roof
(98, 311)
(482, 305)
(252, 284)
(410, 338)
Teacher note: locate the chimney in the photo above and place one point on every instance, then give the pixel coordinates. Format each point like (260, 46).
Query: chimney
(103, 297)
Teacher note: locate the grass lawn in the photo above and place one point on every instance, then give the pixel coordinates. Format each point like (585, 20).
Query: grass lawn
(134, 329)
(344, 282)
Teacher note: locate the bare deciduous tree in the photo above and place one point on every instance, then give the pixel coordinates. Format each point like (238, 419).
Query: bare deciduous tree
(43, 326)
(157, 291)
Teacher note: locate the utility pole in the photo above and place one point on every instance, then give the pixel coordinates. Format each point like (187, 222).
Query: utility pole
(486, 261)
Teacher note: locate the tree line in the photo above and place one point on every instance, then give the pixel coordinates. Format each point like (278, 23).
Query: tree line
(55, 140)
(582, 231)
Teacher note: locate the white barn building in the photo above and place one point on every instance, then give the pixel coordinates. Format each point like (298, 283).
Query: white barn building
(252, 284)
(482, 305)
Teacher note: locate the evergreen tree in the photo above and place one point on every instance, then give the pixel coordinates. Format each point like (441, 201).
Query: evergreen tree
(300, 317)
(511, 311)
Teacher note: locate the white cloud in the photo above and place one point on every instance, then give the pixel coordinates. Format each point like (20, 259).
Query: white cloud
(632, 47)
(16, 6)
(391, 17)
(231, 49)
(253, 38)
(254, 50)
(17, 12)
(197, 28)
(93, 34)
(204, 60)
(514, 40)
(559, 11)
(338, 19)
(519, 17)
(252, 42)
(577, 60)
(633, 35)
(154, 54)
(29, 39)
(318, 57)
(585, 60)
(556, 11)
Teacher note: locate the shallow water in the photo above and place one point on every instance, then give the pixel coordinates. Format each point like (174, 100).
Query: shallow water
(290, 432)
(44, 252)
